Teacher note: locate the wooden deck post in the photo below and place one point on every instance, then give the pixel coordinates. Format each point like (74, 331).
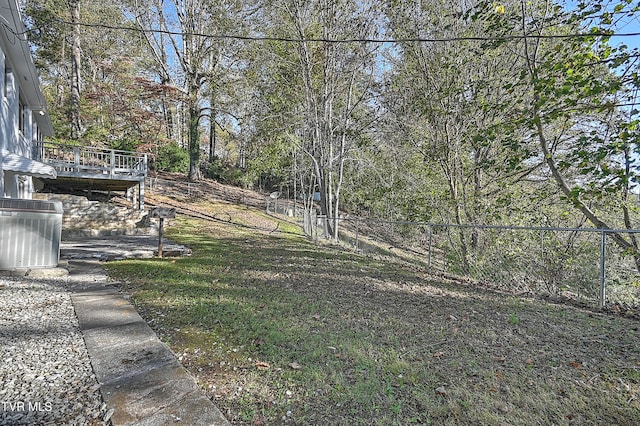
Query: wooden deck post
(134, 197)
(112, 171)
(160, 232)
(76, 159)
(141, 190)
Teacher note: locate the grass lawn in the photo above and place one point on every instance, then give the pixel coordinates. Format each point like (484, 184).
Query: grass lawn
(279, 330)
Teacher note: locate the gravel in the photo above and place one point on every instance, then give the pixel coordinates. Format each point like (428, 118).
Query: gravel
(45, 372)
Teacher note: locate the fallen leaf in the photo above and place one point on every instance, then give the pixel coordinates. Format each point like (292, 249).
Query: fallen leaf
(499, 358)
(316, 317)
(295, 366)
(499, 375)
(528, 361)
(261, 365)
(503, 407)
(441, 391)
(438, 355)
(575, 364)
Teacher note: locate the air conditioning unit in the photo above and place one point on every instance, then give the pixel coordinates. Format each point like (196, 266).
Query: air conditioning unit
(30, 233)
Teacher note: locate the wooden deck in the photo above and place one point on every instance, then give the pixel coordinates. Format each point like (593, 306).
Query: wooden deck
(90, 168)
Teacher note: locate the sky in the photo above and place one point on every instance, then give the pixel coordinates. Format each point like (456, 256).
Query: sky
(624, 24)
(627, 25)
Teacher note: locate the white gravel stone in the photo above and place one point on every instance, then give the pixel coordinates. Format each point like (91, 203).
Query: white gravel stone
(45, 373)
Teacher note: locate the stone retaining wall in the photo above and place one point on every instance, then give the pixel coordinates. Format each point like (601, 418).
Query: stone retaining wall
(98, 218)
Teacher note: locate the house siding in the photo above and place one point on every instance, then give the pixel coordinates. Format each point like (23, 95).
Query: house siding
(20, 99)
(10, 126)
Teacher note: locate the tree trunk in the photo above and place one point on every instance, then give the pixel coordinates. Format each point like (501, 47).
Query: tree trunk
(194, 142)
(212, 131)
(76, 124)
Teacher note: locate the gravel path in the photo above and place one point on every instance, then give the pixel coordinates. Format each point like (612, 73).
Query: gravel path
(45, 372)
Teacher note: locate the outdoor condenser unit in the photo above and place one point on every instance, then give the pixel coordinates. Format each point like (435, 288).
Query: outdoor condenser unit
(30, 233)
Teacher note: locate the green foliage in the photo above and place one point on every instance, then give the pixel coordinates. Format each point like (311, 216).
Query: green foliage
(213, 169)
(170, 158)
(47, 32)
(513, 319)
(270, 168)
(226, 173)
(443, 103)
(575, 94)
(125, 144)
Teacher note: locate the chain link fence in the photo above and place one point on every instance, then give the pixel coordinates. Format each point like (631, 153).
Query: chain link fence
(585, 265)
(285, 207)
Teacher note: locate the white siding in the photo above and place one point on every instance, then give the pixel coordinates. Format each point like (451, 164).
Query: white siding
(10, 124)
(3, 123)
(20, 94)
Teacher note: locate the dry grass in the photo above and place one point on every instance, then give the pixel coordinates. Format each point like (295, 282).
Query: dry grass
(281, 331)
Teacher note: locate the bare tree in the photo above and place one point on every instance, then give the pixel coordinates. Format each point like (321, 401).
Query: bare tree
(336, 86)
(76, 123)
(181, 34)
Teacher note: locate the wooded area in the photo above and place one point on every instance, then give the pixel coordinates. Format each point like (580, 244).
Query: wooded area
(515, 112)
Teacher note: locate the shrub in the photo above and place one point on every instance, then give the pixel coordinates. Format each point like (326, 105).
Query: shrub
(171, 158)
(225, 173)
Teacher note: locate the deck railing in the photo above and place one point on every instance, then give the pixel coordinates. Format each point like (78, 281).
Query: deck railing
(88, 161)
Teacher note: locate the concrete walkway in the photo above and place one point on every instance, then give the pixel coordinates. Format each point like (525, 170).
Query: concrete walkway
(117, 247)
(141, 379)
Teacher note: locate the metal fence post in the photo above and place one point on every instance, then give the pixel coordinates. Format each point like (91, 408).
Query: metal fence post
(430, 245)
(603, 255)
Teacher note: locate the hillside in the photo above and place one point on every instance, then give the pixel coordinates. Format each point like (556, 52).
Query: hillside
(280, 330)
